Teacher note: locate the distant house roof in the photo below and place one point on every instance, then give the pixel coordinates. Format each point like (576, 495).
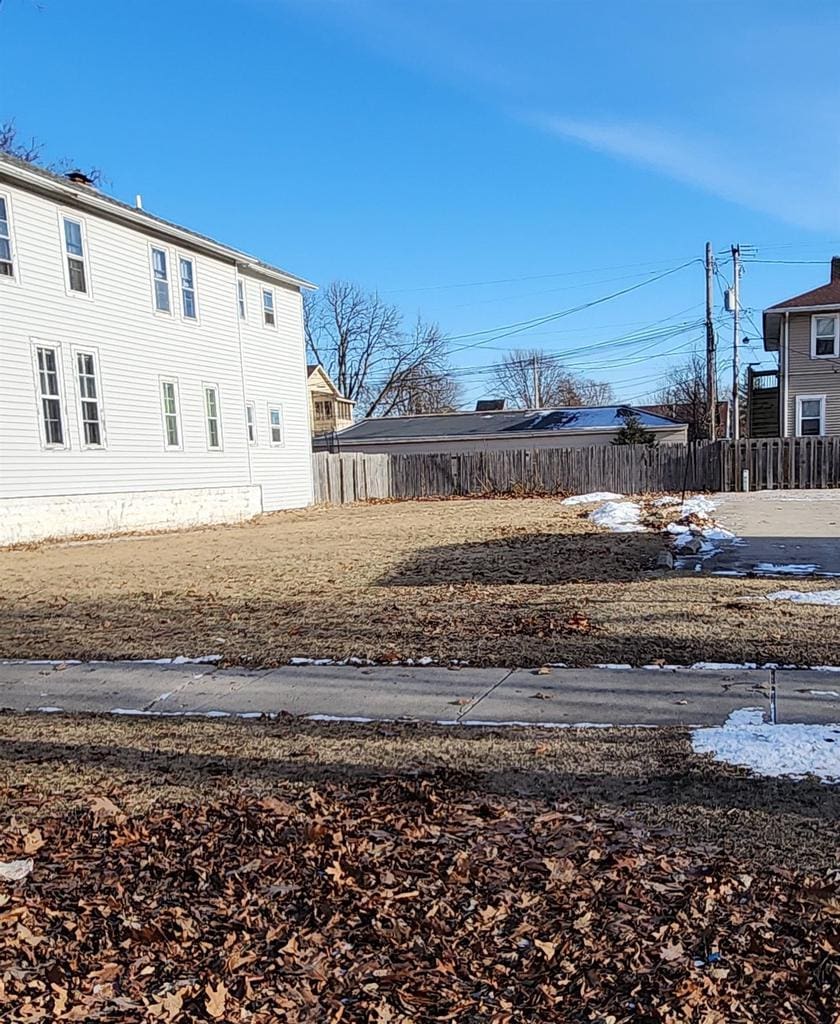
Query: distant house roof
(477, 424)
(825, 295)
(38, 178)
(314, 372)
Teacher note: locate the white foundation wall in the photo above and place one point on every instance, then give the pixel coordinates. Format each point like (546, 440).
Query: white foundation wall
(24, 520)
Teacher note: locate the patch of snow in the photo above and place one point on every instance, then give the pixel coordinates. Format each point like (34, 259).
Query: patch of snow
(312, 661)
(49, 710)
(668, 499)
(678, 529)
(16, 870)
(773, 569)
(591, 499)
(824, 693)
(723, 666)
(773, 750)
(344, 718)
(825, 668)
(612, 667)
(698, 506)
(618, 516)
(823, 597)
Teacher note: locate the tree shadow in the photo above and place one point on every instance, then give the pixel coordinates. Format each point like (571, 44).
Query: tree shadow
(531, 558)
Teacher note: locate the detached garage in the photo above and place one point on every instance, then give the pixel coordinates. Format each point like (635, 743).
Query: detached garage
(573, 427)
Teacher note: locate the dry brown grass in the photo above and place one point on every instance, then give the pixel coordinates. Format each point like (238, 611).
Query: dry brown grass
(495, 582)
(60, 762)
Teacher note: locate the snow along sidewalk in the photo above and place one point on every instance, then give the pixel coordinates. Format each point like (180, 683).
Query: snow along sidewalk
(652, 696)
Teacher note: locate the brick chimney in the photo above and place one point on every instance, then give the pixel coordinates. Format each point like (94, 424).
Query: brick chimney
(835, 268)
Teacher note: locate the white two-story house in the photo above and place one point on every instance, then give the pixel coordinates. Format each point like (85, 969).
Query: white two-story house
(150, 377)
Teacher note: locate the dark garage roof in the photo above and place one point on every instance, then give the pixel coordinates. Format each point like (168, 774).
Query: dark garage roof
(475, 424)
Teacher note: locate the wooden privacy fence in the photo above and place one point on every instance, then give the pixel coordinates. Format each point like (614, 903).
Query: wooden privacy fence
(702, 466)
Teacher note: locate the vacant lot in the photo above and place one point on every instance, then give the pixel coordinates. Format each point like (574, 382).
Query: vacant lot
(286, 871)
(494, 582)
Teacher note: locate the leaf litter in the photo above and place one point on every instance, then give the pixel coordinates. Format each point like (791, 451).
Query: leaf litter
(406, 900)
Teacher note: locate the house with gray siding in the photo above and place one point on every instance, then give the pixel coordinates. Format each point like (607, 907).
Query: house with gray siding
(152, 377)
(805, 332)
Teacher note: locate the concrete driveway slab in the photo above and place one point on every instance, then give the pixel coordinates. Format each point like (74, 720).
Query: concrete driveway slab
(624, 697)
(780, 533)
(807, 696)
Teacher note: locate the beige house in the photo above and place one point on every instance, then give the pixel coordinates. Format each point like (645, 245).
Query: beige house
(329, 410)
(805, 331)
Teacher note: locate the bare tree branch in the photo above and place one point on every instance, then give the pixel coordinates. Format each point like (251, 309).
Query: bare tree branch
(514, 380)
(31, 150)
(361, 342)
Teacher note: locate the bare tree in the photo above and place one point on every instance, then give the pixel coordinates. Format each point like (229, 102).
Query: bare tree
(31, 150)
(514, 380)
(685, 395)
(361, 342)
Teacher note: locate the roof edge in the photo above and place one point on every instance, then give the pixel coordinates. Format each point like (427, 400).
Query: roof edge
(42, 180)
(495, 436)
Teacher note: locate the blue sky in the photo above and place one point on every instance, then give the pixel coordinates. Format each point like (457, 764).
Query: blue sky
(483, 163)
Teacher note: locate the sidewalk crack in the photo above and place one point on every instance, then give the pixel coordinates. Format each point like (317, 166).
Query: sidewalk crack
(474, 703)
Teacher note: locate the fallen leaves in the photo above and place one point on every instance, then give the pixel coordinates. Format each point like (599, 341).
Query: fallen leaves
(401, 900)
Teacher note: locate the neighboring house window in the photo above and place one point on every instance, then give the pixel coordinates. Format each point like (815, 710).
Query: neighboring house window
(323, 410)
(825, 336)
(251, 422)
(171, 424)
(160, 274)
(187, 287)
(810, 415)
(75, 251)
(49, 387)
(211, 408)
(275, 424)
(7, 267)
(89, 400)
(240, 298)
(268, 307)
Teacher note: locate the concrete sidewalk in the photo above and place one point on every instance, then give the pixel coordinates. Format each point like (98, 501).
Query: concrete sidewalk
(652, 696)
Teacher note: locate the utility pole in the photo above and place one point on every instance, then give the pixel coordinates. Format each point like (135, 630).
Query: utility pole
(711, 360)
(536, 369)
(736, 367)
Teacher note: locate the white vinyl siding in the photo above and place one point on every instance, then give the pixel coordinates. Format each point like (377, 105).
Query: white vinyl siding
(48, 373)
(810, 415)
(90, 401)
(275, 424)
(241, 306)
(186, 269)
(211, 412)
(160, 280)
(136, 346)
(268, 307)
(171, 413)
(825, 336)
(251, 422)
(7, 262)
(74, 252)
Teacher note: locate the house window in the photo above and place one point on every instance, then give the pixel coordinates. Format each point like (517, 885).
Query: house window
(74, 249)
(160, 275)
(49, 387)
(323, 410)
(7, 267)
(268, 307)
(171, 419)
(251, 422)
(275, 424)
(89, 400)
(810, 415)
(211, 409)
(187, 287)
(825, 337)
(240, 298)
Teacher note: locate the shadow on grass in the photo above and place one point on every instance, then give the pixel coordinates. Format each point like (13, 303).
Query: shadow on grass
(532, 558)
(632, 774)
